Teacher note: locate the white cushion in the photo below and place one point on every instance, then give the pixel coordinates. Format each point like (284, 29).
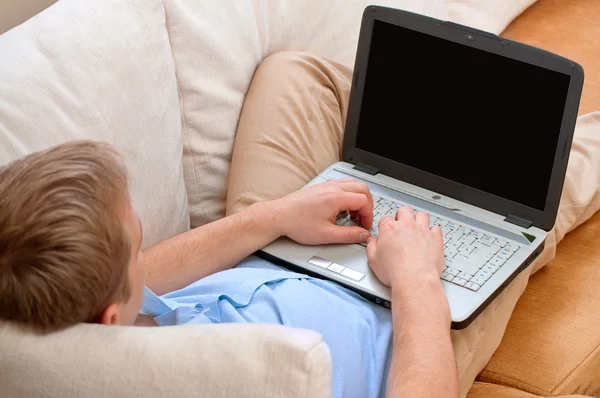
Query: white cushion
(100, 70)
(237, 360)
(489, 15)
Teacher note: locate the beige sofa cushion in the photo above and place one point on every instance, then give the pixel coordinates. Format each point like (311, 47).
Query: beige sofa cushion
(99, 361)
(100, 70)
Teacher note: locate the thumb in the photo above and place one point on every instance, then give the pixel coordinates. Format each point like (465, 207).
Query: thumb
(338, 234)
(371, 249)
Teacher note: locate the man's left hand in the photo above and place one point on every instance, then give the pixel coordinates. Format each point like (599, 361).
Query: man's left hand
(308, 216)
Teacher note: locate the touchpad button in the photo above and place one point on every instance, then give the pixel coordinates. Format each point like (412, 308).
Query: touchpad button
(351, 256)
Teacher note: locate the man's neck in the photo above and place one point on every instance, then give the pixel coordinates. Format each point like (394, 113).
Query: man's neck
(144, 320)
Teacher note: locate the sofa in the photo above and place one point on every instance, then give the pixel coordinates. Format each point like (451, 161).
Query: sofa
(165, 81)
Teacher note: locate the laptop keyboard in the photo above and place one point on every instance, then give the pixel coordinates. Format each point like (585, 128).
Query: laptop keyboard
(471, 256)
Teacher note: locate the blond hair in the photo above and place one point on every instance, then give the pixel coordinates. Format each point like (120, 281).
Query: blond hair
(64, 250)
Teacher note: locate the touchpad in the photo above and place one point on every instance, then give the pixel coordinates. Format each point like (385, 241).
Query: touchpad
(351, 256)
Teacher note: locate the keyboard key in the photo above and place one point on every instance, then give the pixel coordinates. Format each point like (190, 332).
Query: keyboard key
(341, 221)
(499, 261)
(464, 230)
(491, 268)
(453, 226)
(454, 234)
(464, 275)
(473, 286)
(488, 240)
(500, 242)
(391, 213)
(384, 209)
(441, 223)
(337, 268)
(459, 281)
(446, 230)
(452, 271)
(352, 274)
(452, 244)
(466, 249)
(447, 277)
(476, 234)
(495, 249)
(477, 280)
(352, 223)
(467, 239)
(505, 254)
(511, 247)
(450, 252)
(482, 274)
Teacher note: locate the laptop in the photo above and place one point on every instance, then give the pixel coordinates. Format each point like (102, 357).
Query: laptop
(470, 127)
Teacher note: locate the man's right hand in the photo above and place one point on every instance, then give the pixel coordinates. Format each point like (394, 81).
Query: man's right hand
(407, 251)
(409, 256)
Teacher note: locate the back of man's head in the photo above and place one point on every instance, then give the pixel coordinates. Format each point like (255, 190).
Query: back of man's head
(64, 252)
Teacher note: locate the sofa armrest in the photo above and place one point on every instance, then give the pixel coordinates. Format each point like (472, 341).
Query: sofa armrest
(228, 360)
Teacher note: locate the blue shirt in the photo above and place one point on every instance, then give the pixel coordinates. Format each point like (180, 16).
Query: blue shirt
(357, 332)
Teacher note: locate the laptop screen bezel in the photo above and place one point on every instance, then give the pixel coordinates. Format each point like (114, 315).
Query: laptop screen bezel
(481, 40)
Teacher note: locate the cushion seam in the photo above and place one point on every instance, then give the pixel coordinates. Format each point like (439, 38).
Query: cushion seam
(537, 390)
(184, 126)
(561, 384)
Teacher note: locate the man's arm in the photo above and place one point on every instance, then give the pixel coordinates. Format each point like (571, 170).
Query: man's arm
(306, 216)
(409, 257)
(186, 258)
(423, 363)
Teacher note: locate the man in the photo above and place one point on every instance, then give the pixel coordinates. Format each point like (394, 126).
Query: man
(70, 253)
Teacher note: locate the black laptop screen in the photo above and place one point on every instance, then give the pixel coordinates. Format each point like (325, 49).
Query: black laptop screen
(476, 118)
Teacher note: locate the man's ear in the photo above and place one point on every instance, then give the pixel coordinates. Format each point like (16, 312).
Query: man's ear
(110, 316)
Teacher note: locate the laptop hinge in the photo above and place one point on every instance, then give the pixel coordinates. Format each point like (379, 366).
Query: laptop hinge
(366, 169)
(516, 220)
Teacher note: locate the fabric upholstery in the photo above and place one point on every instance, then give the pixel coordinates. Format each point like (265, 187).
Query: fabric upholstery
(552, 343)
(216, 59)
(178, 362)
(297, 99)
(100, 70)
